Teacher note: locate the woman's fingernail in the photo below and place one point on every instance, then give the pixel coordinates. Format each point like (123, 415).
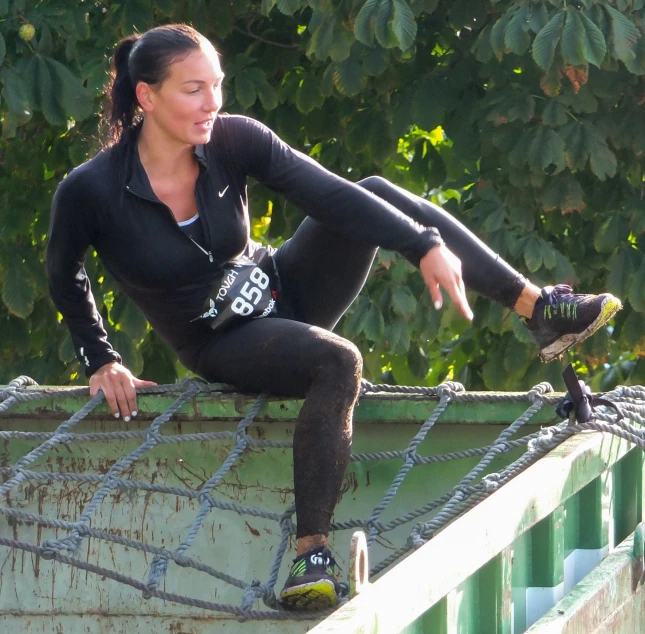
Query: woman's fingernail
(117, 416)
(437, 304)
(134, 413)
(127, 419)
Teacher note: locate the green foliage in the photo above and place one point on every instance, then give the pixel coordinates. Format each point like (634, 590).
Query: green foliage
(522, 117)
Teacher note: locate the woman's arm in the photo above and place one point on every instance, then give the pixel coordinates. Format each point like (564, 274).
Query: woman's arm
(351, 209)
(319, 193)
(74, 226)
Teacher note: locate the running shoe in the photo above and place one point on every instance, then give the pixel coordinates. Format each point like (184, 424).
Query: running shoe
(561, 319)
(311, 584)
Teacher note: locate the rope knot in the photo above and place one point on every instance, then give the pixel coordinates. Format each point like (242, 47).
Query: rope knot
(251, 594)
(450, 388)
(538, 391)
(543, 441)
(491, 482)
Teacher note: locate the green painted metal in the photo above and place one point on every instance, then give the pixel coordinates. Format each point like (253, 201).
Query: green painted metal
(480, 575)
(55, 598)
(527, 517)
(229, 407)
(609, 599)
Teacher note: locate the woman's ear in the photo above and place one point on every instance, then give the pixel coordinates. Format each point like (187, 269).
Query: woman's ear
(143, 92)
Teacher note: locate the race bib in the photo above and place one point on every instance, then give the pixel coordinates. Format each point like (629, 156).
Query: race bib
(245, 289)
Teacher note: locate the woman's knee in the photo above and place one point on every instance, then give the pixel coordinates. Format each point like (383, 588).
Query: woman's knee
(375, 184)
(340, 361)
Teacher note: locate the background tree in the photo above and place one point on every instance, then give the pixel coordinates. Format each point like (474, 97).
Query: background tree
(524, 118)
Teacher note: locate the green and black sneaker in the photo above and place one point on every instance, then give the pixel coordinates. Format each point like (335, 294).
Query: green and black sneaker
(311, 584)
(562, 319)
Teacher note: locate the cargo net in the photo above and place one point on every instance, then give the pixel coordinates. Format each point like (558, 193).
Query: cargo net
(472, 489)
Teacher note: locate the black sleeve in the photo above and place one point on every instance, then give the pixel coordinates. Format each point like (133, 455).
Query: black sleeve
(72, 230)
(352, 210)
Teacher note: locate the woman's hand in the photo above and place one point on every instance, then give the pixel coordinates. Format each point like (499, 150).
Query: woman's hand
(118, 385)
(440, 267)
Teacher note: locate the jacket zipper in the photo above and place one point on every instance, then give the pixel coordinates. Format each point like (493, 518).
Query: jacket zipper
(158, 202)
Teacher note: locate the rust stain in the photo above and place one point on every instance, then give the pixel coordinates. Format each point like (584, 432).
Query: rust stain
(254, 531)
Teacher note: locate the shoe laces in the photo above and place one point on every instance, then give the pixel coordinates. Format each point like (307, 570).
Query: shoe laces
(555, 305)
(317, 557)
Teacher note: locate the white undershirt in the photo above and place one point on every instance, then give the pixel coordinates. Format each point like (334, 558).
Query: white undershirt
(183, 223)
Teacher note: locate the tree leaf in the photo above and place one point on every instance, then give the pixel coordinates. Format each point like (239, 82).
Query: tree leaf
(322, 35)
(547, 148)
(132, 358)
(621, 269)
(577, 144)
(428, 105)
(15, 93)
(482, 49)
(383, 26)
(46, 96)
(564, 193)
(539, 18)
(564, 271)
(601, 159)
(365, 22)
(551, 82)
(397, 336)
(245, 91)
(18, 293)
(497, 34)
(521, 332)
(517, 358)
(289, 7)
(516, 37)
(554, 114)
(73, 98)
(341, 44)
(493, 372)
(572, 46)
(374, 324)
(137, 16)
(266, 6)
(308, 96)
(533, 253)
(594, 46)
(624, 35)
(46, 43)
(403, 24)
(66, 352)
(349, 78)
(637, 289)
(403, 302)
(376, 61)
(128, 318)
(612, 233)
(546, 41)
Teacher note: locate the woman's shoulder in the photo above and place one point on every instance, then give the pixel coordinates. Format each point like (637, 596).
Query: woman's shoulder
(239, 127)
(91, 177)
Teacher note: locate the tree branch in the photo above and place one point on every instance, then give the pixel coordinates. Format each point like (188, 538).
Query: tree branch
(262, 39)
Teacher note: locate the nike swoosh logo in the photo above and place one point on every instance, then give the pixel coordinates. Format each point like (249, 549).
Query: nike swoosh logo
(223, 191)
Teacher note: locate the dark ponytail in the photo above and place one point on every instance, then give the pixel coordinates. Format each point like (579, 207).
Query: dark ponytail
(146, 58)
(123, 100)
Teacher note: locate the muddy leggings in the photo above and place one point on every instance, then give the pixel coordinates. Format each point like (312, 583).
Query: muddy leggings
(296, 355)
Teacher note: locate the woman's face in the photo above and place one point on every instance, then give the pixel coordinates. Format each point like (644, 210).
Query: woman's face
(186, 103)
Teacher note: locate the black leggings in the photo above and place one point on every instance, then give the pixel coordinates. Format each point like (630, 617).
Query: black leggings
(296, 355)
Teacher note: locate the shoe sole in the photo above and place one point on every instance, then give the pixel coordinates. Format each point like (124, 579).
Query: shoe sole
(609, 308)
(317, 595)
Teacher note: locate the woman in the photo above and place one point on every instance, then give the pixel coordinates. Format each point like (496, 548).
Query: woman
(165, 208)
